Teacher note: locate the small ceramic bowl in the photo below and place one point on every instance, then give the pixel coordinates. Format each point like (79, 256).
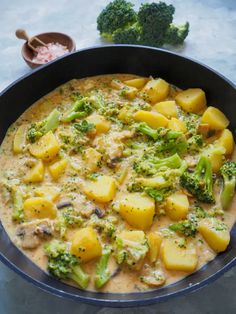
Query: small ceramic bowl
(60, 38)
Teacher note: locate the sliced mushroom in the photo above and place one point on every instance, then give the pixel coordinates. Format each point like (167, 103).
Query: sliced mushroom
(152, 276)
(29, 235)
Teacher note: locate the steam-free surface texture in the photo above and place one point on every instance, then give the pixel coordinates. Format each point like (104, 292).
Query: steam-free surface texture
(219, 52)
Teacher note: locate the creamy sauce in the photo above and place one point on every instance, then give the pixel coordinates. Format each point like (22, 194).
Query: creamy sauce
(14, 167)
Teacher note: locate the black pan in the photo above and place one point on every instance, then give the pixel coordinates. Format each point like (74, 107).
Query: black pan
(174, 68)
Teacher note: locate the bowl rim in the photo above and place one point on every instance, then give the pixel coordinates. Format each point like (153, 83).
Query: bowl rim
(24, 46)
(95, 300)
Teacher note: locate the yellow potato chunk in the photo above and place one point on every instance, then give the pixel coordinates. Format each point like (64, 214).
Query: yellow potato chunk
(49, 192)
(215, 233)
(177, 206)
(46, 147)
(137, 210)
(227, 141)
(39, 208)
(176, 257)
(215, 119)
(86, 245)
(154, 243)
(101, 124)
(36, 174)
(137, 82)
(58, 168)
(167, 108)
(92, 159)
(126, 91)
(125, 115)
(177, 125)
(19, 141)
(155, 90)
(153, 119)
(102, 190)
(191, 100)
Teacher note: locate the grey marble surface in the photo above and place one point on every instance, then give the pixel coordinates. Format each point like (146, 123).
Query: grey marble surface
(212, 40)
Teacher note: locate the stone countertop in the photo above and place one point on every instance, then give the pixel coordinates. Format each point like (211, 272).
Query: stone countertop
(212, 40)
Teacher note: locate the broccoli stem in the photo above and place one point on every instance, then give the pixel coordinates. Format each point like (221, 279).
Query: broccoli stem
(228, 191)
(79, 276)
(145, 129)
(17, 199)
(102, 273)
(51, 122)
(76, 111)
(172, 162)
(204, 166)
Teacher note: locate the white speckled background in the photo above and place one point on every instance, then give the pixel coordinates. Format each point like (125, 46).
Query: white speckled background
(212, 40)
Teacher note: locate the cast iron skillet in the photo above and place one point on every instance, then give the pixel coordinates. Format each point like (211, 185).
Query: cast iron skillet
(174, 68)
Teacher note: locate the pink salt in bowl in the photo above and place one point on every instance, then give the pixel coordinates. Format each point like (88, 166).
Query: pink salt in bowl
(56, 38)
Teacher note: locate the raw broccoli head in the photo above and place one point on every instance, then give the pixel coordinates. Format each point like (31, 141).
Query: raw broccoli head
(127, 35)
(154, 19)
(199, 182)
(115, 15)
(175, 35)
(228, 172)
(64, 265)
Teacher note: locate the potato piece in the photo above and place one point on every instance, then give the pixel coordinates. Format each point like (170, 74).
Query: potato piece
(154, 243)
(153, 119)
(215, 118)
(177, 125)
(167, 108)
(215, 233)
(58, 168)
(86, 245)
(101, 124)
(92, 159)
(177, 206)
(19, 142)
(133, 235)
(137, 210)
(39, 208)
(46, 148)
(137, 82)
(102, 190)
(36, 174)
(126, 91)
(226, 140)
(191, 100)
(180, 258)
(49, 192)
(155, 90)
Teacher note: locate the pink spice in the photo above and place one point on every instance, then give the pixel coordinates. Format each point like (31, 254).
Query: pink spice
(49, 52)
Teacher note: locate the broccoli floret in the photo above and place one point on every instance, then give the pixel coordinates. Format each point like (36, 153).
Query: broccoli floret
(117, 14)
(158, 194)
(154, 19)
(175, 35)
(84, 126)
(102, 272)
(199, 182)
(228, 172)
(195, 143)
(152, 165)
(104, 225)
(192, 122)
(166, 140)
(68, 218)
(64, 265)
(38, 129)
(130, 252)
(81, 108)
(186, 227)
(128, 35)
